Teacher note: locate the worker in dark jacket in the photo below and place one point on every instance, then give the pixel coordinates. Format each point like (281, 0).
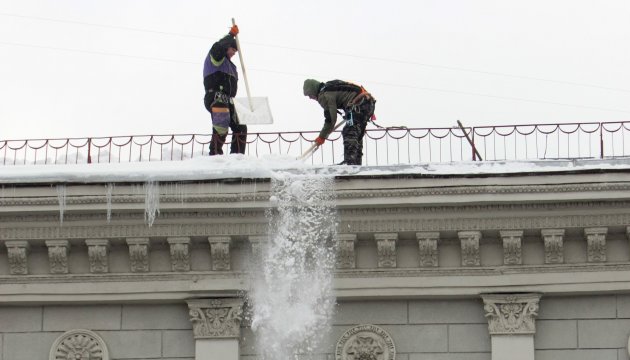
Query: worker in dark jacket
(358, 106)
(220, 79)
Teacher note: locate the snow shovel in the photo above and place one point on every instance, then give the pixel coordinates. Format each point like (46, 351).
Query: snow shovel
(314, 147)
(251, 111)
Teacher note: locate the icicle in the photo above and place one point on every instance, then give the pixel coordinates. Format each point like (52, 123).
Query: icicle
(151, 201)
(108, 196)
(61, 198)
(293, 299)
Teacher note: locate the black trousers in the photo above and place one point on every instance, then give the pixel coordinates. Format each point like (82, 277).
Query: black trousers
(239, 131)
(353, 134)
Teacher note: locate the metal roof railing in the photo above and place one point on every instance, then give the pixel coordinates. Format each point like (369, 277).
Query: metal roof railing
(382, 146)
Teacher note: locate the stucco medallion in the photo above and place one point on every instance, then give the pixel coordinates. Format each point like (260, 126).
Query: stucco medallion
(365, 342)
(79, 344)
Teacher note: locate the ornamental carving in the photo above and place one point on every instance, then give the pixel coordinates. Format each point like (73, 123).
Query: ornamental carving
(365, 342)
(79, 345)
(220, 252)
(511, 313)
(58, 256)
(596, 244)
(138, 254)
(469, 241)
(216, 318)
(512, 247)
(428, 248)
(386, 248)
(258, 246)
(345, 251)
(554, 245)
(18, 257)
(180, 253)
(98, 251)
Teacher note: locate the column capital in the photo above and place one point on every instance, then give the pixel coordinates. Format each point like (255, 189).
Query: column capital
(511, 314)
(216, 318)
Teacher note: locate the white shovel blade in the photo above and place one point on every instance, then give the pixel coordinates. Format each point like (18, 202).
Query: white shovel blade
(261, 113)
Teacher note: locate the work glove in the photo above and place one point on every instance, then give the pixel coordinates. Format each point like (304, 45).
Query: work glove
(234, 30)
(319, 140)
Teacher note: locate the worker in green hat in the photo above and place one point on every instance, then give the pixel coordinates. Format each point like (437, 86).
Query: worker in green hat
(358, 106)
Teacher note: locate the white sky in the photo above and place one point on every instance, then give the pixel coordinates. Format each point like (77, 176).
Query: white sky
(72, 68)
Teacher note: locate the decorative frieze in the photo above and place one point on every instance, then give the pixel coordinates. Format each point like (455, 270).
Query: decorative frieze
(138, 254)
(220, 252)
(365, 342)
(386, 248)
(346, 258)
(58, 256)
(18, 256)
(596, 244)
(79, 344)
(428, 248)
(469, 241)
(98, 251)
(512, 246)
(216, 318)
(554, 245)
(512, 314)
(180, 253)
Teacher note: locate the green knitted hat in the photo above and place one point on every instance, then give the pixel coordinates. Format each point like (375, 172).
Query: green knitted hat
(311, 87)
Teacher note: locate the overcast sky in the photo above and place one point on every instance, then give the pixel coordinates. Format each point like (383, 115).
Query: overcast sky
(74, 68)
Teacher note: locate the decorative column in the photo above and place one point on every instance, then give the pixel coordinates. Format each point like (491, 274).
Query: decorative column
(18, 256)
(216, 327)
(138, 254)
(58, 256)
(258, 246)
(512, 247)
(512, 324)
(220, 252)
(346, 258)
(98, 251)
(428, 247)
(180, 253)
(554, 245)
(469, 241)
(596, 244)
(386, 248)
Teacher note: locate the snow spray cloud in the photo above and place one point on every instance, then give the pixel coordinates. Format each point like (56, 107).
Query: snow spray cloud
(292, 298)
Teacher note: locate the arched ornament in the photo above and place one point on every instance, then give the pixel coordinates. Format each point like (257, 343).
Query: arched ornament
(365, 342)
(79, 344)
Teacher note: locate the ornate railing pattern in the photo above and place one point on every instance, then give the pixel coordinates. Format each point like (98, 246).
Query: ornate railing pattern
(382, 146)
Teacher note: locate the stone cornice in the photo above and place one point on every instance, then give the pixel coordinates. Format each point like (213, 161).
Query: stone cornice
(263, 196)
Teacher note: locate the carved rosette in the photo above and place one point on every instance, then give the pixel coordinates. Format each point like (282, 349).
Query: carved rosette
(79, 344)
(386, 248)
(345, 251)
(365, 342)
(428, 248)
(220, 252)
(469, 241)
(512, 247)
(511, 313)
(98, 251)
(596, 244)
(58, 256)
(17, 251)
(216, 318)
(180, 253)
(554, 245)
(138, 254)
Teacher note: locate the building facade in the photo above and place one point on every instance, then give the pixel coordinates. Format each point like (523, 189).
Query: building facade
(444, 267)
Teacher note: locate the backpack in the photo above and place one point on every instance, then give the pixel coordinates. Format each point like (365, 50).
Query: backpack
(340, 85)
